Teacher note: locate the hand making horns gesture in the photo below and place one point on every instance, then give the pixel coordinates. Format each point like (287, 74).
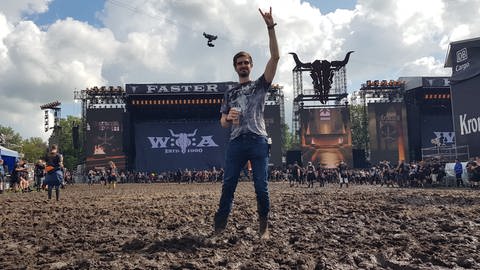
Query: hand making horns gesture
(267, 16)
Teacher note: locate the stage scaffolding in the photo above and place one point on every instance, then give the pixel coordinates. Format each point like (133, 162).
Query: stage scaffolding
(306, 98)
(377, 91)
(98, 98)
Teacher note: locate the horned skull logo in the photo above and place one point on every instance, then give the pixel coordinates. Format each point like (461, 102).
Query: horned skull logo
(183, 139)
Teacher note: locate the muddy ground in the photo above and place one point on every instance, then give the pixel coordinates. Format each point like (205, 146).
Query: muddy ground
(169, 226)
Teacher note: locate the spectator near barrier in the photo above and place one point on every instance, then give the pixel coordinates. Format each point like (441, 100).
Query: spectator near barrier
(2, 176)
(473, 167)
(39, 174)
(458, 169)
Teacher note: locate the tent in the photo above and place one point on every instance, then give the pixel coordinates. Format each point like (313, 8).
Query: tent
(9, 157)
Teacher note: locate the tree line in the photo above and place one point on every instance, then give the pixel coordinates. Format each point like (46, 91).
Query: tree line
(35, 148)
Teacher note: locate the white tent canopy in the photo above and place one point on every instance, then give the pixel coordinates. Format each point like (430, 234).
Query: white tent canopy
(7, 152)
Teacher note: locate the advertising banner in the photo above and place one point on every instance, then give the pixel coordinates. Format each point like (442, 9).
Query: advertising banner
(388, 132)
(437, 130)
(169, 146)
(466, 114)
(179, 88)
(326, 136)
(104, 138)
(464, 58)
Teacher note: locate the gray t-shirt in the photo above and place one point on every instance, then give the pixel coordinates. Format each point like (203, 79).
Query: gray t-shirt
(250, 98)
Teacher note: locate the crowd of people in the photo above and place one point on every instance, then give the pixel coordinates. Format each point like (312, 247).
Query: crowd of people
(46, 174)
(414, 174)
(430, 173)
(179, 176)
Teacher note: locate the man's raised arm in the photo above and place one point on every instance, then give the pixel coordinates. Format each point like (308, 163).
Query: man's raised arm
(271, 67)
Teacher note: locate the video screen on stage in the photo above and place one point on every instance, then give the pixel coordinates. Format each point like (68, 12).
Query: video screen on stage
(274, 130)
(104, 138)
(388, 132)
(169, 146)
(326, 136)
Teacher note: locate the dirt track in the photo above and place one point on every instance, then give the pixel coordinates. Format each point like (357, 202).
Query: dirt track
(168, 226)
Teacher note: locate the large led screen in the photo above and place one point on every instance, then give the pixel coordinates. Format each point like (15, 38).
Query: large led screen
(326, 136)
(104, 138)
(388, 132)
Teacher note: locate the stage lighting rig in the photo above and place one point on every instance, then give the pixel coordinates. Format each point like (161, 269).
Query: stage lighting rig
(55, 106)
(51, 106)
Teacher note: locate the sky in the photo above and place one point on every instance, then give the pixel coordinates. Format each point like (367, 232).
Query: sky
(50, 48)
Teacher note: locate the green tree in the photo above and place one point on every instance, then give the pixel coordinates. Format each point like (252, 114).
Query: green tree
(11, 139)
(63, 136)
(289, 141)
(359, 124)
(34, 148)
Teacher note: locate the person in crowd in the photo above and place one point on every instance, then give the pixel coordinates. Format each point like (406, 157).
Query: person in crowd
(321, 176)
(54, 171)
(342, 173)
(39, 174)
(435, 169)
(243, 111)
(22, 176)
(296, 174)
(402, 173)
(310, 174)
(123, 177)
(91, 177)
(3, 173)
(474, 168)
(112, 174)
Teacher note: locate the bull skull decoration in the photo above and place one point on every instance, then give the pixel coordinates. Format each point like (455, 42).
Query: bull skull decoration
(183, 139)
(321, 72)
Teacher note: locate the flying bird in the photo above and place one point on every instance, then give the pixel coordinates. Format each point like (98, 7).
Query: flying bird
(210, 39)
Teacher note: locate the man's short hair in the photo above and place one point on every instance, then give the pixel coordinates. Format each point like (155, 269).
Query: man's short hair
(241, 54)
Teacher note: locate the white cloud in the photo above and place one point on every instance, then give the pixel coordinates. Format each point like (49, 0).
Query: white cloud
(14, 10)
(161, 41)
(425, 66)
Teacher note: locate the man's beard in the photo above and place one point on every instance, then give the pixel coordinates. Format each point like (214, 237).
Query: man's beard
(243, 73)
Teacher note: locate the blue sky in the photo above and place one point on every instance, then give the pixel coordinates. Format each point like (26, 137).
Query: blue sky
(87, 10)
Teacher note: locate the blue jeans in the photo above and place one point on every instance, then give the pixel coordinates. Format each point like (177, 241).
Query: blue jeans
(54, 179)
(243, 148)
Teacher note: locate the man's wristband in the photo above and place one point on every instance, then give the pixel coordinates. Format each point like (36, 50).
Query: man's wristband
(270, 27)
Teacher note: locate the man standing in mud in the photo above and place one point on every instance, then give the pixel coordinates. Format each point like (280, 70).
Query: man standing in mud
(242, 111)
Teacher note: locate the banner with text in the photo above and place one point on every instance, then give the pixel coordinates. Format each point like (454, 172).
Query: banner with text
(168, 146)
(466, 115)
(179, 88)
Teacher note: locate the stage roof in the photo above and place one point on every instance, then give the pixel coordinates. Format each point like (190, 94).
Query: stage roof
(179, 88)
